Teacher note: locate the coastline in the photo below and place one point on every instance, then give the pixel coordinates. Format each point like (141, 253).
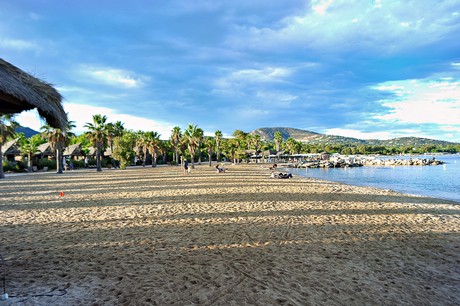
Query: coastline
(156, 236)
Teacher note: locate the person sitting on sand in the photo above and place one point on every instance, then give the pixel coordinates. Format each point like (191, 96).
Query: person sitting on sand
(220, 170)
(273, 167)
(281, 175)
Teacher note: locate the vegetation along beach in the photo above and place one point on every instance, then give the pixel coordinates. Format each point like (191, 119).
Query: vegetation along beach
(155, 236)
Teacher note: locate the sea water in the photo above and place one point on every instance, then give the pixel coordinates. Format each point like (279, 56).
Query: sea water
(441, 181)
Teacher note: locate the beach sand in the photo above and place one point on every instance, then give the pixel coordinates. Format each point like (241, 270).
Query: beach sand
(153, 236)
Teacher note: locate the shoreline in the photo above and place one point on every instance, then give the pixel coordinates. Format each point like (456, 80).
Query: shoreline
(156, 236)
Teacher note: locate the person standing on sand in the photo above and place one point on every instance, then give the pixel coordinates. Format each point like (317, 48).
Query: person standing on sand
(185, 167)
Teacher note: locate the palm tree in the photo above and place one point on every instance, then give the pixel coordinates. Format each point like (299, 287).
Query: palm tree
(255, 142)
(98, 134)
(56, 138)
(7, 127)
(191, 136)
(142, 145)
(175, 140)
(209, 143)
(153, 144)
(241, 136)
(114, 130)
(278, 140)
(29, 146)
(218, 138)
(199, 140)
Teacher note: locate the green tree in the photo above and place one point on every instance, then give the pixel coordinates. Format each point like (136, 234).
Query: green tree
(153, 143)
(123, 148)
(29, 147)
(7, 127)
(57, 140)
(114, 130)
(191, 136)
(278, 140)
(218, 139)
(209, 143)
(98, 134)
(176, 135)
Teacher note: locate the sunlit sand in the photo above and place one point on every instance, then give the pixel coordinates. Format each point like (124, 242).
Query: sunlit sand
(153, 236)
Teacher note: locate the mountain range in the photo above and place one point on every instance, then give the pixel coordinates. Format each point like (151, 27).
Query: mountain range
(316, 138)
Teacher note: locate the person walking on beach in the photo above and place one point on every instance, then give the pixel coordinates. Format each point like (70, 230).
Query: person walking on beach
(185, 167)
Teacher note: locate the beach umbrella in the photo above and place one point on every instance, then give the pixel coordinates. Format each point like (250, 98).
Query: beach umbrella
(19, 91)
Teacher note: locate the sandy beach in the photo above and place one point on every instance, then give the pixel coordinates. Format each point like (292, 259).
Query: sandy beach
(153, 236)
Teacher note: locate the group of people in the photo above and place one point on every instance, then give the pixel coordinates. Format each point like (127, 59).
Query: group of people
(279, 175)
(187, 168)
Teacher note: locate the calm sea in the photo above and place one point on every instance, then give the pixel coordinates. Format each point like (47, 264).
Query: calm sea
(441, 181)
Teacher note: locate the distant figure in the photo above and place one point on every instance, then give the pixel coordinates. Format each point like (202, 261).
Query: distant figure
(186, 170)
(219, 170)
(274, 167)
(71, 165)
(86, 161)
(281, 175)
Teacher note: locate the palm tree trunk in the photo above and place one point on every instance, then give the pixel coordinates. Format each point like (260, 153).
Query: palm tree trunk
(2, 174)
(58, 161)
(29, 162)
(98, 158)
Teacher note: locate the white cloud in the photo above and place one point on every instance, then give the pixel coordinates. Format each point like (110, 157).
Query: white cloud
(333, 25)
(18, 44)
(359, 134)
(82, 114)
(320, 6)
(247, 76)
(113, 76)
(422, 102)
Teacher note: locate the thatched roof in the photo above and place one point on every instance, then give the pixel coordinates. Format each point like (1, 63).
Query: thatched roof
(73, 150)
(11, 147)
(45, 148)
(20, 91)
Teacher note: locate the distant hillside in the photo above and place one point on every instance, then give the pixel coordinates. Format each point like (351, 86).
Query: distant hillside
(28, 132)
(297, 134)
(316, 138)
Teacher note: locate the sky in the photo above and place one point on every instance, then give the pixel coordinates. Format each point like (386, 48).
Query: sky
(370, 69)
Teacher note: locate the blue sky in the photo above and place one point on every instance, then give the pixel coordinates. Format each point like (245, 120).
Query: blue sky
(366, 69)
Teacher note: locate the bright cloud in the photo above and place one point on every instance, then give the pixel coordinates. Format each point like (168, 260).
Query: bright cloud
(422, 102)
(18, 44)
(342, 25)
(113, 77)
(250, 76)
(359, 134)
(82, 114)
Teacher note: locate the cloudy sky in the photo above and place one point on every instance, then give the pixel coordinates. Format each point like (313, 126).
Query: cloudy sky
(366, 69)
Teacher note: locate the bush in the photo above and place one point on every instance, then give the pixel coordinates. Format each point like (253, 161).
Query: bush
(77, 164)
(44, 162)
(7, 166)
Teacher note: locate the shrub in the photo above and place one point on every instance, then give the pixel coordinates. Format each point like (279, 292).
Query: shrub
(44, 162)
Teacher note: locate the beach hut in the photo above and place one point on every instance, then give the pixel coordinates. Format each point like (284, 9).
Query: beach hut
(74, 151)
(45, 150)
(10, 150)
(20, 91)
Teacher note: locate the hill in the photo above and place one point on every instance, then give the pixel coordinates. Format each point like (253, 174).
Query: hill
(316, 138)
(28, 132)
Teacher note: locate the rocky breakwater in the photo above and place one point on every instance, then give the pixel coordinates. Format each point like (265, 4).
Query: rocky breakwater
(403, 162)
(344, 162)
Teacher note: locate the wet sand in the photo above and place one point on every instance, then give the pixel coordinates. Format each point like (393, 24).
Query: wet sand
(153, 236)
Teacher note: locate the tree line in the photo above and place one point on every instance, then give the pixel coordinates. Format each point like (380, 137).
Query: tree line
(146, 147)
